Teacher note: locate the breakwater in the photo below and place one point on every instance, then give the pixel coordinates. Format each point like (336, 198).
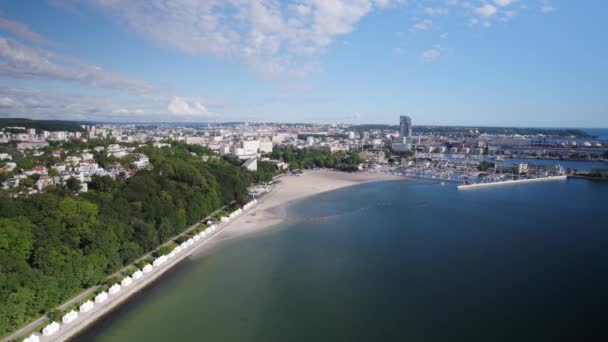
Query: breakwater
(511, 182)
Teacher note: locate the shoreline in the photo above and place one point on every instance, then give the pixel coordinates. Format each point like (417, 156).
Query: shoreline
(272, 210)
(268, 212)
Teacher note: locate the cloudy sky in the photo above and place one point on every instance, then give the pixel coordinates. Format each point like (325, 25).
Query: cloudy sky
(457, 62)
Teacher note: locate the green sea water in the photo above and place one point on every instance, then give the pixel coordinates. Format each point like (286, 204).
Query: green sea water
(395, 261)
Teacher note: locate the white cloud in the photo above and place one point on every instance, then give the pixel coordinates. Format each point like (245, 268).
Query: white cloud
(187, 107)
(125, 111)
(486, 10)
(277, 37)
(546, 8)
(270, 36)
(46, 104)
(21, 30)
(422, 25)
(7, 102)
(127, 97)
(436, 11)
(383, 3)
(21, 61)
(503, 3)
(431, 54)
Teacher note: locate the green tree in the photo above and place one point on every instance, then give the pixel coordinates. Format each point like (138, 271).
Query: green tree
(484, 166)
(103, 183)
(73, 184)
(54, 244)
(27, 182)
(25, 163)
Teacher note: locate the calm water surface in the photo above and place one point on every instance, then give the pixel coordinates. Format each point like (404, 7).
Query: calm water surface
(407, 261)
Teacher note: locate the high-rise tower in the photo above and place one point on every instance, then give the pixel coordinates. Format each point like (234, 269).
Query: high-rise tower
(405, 127)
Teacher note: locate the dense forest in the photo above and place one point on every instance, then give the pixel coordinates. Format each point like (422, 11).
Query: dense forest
(54, 244)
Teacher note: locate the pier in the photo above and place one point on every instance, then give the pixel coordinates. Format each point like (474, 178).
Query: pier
(510, 182)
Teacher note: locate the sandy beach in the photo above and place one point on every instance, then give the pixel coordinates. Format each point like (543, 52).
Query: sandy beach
(270, 210)
(273, 207)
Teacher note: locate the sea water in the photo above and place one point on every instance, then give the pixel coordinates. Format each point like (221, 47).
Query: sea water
(395, 261)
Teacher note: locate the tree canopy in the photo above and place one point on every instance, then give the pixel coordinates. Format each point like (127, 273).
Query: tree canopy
(54, 244)
(308, 158)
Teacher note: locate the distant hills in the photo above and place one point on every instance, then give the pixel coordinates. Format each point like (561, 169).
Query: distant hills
(44, 125)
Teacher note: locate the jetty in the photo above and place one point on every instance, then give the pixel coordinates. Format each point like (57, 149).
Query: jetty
(511, 182)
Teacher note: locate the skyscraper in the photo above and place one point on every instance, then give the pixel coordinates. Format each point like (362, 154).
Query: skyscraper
(405, 127)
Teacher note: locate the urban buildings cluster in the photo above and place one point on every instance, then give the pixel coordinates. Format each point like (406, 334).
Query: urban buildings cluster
(255, 142)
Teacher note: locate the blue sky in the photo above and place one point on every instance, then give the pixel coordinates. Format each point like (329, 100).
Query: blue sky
(453, 62)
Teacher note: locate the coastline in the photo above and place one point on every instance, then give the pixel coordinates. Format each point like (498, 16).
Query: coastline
(269, 211)
(272, 210)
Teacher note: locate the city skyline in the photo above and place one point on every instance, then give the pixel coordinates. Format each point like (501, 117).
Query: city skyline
(525, 63)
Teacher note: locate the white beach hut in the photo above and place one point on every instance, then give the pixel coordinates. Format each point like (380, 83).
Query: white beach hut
(32, 338)
(102, 297)
(209, 222)
(224, 219)
(86, 306)
(126, 281)
(196, 237)
(190, 242)
(159, 261)
(114, 289)
(178, 249)
(171, 255)
(138, 274)
(69, 317)
(50, 329)
(147, 268)
(184, 245)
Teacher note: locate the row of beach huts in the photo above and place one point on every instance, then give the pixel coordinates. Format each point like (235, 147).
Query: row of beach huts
(137, 276)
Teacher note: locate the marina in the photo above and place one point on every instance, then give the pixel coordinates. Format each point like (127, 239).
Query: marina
(470, 174)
